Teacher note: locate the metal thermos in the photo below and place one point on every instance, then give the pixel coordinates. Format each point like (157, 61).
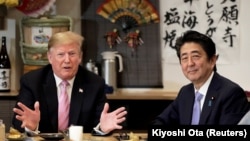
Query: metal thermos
(109, 68)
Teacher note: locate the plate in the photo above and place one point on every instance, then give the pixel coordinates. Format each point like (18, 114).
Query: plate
(13, 138)
(51, 136)
(123, 138)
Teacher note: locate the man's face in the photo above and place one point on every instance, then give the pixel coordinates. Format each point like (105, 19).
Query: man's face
(65, 60)
(195, 64)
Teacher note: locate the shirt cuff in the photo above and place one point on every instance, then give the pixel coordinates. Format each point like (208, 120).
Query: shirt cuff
(31, 132)
(97, 129)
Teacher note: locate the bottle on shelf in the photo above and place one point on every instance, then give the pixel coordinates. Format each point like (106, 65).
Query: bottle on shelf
(2, 130)
(4, 67)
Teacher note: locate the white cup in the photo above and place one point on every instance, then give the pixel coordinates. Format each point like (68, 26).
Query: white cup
(75, 133)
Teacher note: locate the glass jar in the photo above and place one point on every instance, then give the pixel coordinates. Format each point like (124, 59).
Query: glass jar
(2, 130)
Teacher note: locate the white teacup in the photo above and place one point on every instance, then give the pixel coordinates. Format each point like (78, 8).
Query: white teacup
(75, 133)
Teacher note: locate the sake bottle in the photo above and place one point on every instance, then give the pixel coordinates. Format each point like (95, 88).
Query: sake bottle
(4, 67)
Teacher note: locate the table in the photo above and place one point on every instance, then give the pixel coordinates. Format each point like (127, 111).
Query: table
(89, 137)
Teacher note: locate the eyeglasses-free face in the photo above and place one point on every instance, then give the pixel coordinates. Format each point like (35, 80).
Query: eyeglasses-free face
(65, 59)
(195, 63)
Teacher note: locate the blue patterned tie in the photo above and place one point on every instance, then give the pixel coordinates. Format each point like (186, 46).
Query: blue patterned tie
(196, 109)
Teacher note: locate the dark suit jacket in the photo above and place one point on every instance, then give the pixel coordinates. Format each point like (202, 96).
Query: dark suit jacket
(225, 104)
(87, 99)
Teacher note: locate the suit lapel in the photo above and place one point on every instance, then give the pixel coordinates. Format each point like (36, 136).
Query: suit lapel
(76, 98)
(210, 99)
(50, 93)
(188, 105)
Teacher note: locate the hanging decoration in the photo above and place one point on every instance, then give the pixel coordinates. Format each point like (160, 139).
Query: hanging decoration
(133, 39)
(129, 13)
(112, 38)
(35, 8)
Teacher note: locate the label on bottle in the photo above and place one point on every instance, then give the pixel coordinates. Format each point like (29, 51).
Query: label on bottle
(4, 79)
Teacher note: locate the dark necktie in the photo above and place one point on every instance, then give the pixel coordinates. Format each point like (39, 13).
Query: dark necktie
(196, 109)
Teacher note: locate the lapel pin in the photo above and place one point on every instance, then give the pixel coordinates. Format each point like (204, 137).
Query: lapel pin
(210, 101)
(80, 90)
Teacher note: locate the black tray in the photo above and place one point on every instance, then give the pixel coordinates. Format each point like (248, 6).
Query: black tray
(52, 136)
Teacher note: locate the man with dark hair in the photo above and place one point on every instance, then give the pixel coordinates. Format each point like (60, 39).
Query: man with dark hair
(222, 102)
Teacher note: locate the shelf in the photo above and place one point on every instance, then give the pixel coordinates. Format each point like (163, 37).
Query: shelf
(143, 94)
(127, 94)
(12, 94)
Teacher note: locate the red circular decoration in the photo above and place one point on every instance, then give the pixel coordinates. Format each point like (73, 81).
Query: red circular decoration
(35, 8)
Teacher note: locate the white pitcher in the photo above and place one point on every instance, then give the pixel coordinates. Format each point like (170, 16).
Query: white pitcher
(109, 68)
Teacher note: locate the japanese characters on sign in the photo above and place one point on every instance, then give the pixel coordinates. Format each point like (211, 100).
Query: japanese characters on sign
(218, 19)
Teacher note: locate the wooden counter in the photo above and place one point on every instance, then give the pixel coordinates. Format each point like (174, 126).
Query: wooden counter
(9, 94)
(125, 94)
(147, 94)
(89, 137)
(143, 94)
(130, 94)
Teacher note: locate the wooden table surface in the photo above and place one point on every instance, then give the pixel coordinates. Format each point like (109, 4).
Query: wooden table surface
(89, 137)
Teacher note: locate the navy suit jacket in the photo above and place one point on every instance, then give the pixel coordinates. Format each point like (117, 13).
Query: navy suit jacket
(225, 104)
(87, 99)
